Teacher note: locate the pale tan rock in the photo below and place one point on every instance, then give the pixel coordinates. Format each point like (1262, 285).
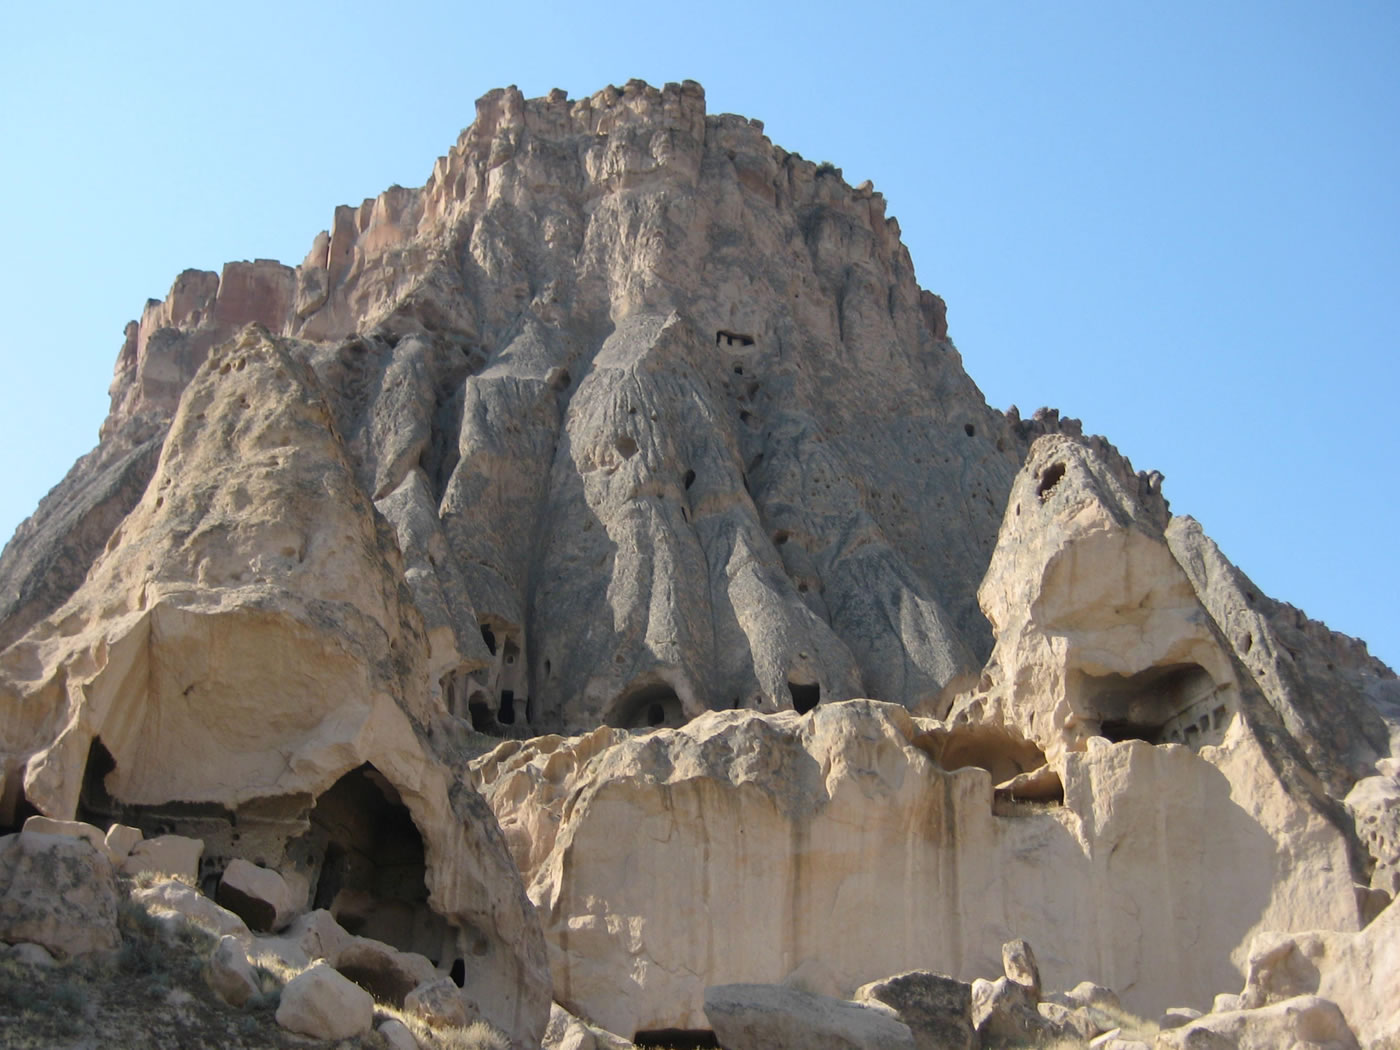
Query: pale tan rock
(183, 903)
(755, 1017)
(396, 1035)
(1226, 1002)
(172, 856)
(121, 840)
(1086, 993)
(782, 829)
(567, 1032)
(1005, 1012)
(1306, 1022)
(1360, 972)
(319, 1002)
(1177, 1016)
(1018, 964)
(259, 896)
(440, 1002)
(230, 974)
(59, 892)
(76, 829)
(315, 935)
(204, 608)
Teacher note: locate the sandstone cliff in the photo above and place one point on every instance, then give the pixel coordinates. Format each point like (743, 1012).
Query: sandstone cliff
(630, 420)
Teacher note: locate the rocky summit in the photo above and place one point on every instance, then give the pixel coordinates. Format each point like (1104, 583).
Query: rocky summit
(587, 602)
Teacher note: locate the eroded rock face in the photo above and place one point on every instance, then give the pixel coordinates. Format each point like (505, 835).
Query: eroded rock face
(255, 567)
(748, 848)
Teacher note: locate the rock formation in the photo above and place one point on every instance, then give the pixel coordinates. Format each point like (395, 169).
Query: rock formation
(631, 436)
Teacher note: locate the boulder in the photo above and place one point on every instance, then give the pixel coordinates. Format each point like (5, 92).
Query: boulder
(1305, 1022)
(396, 1035)
(73, 829)
(1018, 963)
(230, 974)
(1360, 972)
(567, 1032)
(315, 935)
(182, 903)
(259, 896)
(1086, 993)
(121, 840)
(441, 1003)
(773, 1017)
(1005, 1013)
(937, 1009)
(1177, 1016)
(319, 1002)
(58, 892)
(1226, 1002)
(384, 971)
(173, 856)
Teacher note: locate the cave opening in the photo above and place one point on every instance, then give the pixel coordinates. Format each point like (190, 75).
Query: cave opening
(649, 706)
(15, 807)
(506, 714)
(1174, 703)
(482, 717)
(372, 871)
(1001, 753)
(1049, 478)
(489, 637)
(95, 803)
(675, 1039)
(805, 696)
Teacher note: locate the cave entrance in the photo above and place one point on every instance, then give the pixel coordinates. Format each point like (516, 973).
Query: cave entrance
(675, 1039)
(372, 870)
(805, 696)
(1176, 703)
(15, 807)
(95, 803)
(1002, 754)
(648, 707)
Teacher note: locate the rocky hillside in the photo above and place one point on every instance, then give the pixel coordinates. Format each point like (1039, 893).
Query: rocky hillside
(630, 438)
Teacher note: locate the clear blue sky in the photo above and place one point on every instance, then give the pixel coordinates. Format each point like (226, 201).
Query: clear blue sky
(1179, 222)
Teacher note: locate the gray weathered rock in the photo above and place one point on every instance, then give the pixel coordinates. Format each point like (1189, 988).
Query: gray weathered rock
(1018, 963)
(937, 1009)
(773, 1017)
(229, 972)
(57, 892)
(440, 1002)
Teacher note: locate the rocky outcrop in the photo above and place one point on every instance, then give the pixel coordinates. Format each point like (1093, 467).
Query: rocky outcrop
(58, 892)
(632, 434)
(781, 829)
(255, 567)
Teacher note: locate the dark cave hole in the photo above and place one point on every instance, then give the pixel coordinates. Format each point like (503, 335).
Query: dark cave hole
(506, 714)
(489, 637)
(459, 973)
(969, 429)
(805, 697)
(372, 875)
(483, 721)
(676, 1039)
(689, 478)
(625, 445)
(1176, 703)
(648, 707)
(1049, 479)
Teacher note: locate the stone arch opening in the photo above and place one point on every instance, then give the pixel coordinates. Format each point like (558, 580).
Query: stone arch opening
(95, 803)
(650, 706)
(675, 1039)
(369, 867)
(805, 696)
(1175, 703)
(1001, 753)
